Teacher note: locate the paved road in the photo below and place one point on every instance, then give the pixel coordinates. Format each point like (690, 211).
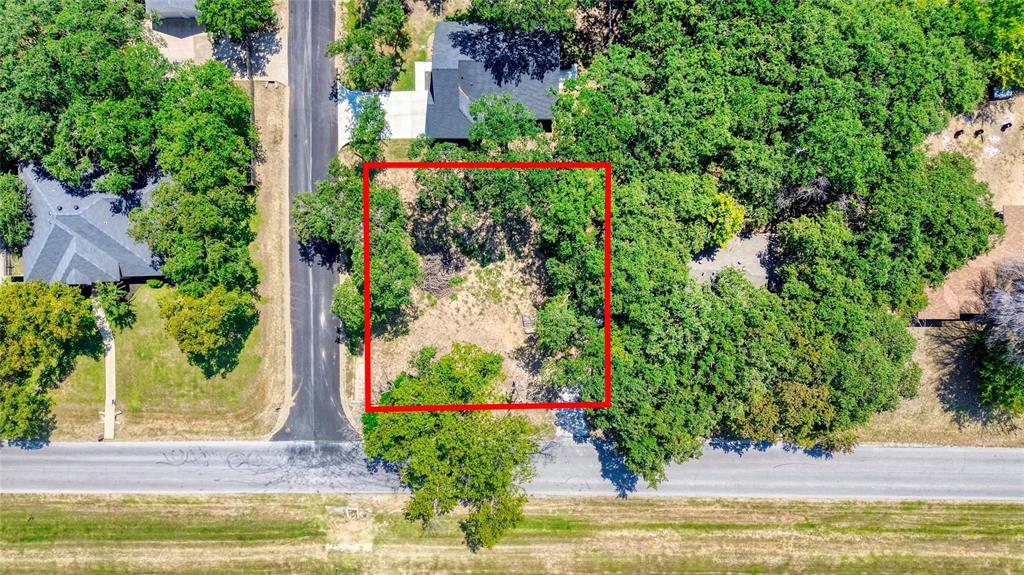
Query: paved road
(316, 411)
(565, 468)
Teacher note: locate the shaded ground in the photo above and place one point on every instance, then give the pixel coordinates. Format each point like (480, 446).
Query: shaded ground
(292, 534)
(946, 410)
(161, 396)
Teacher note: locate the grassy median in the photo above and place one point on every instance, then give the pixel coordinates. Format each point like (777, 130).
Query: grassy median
(322, 534)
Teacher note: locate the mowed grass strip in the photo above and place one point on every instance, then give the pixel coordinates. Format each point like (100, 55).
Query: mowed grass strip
(287, 534)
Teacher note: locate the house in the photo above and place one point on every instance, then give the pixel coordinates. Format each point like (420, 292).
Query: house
(473, 60)
(80, 236)
(179, 35)
(960, 295)
(172, 9)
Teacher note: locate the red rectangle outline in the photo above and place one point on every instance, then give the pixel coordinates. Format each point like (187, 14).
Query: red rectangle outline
(607, 402)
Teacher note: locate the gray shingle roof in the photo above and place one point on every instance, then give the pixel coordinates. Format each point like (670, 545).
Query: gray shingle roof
(81, 237)
(471, 60)
(167, 9)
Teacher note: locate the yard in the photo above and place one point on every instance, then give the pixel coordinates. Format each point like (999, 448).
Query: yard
(311, 533)
(160, 394)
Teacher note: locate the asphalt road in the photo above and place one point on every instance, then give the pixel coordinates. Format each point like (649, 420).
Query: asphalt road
(316, 411)
(564, 468)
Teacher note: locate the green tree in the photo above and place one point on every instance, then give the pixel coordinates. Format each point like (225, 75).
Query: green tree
(79, 88)
(1000, 381)
(523, 15)
(500, 120)
(370, 127)
(15, 215)
(210, 329)
(236, 21)
(996, 30)
(472, 459)
(116, 304)
(43, 328)
(204, 129)
(371, 48)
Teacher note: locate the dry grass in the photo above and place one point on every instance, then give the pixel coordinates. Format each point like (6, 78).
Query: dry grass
(947, 410)
(289, 534)
(998, 156)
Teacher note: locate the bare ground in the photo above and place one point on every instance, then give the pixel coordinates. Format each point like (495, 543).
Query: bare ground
(271, 247)
(998, 155)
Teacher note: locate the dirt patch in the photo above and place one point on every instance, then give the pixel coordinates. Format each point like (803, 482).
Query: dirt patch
(483, 306)
(997, 154)
(947, 410)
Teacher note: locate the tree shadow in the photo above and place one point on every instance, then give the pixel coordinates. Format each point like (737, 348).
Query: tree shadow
(264, 46)
(742, 446)
(613, 465)
(507, 55)
(957, 378)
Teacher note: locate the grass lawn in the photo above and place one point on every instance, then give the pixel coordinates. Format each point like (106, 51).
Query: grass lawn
(158, 391)
(288, 533)
(397, 150)
(421, 27)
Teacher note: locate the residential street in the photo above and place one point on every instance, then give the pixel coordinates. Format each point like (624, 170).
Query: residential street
(565, 468)
(316, 411)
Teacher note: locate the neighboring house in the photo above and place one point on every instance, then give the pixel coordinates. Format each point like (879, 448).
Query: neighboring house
(181, 38)
(472, 60)
(170, 9)
(960, 295)
(81, 237)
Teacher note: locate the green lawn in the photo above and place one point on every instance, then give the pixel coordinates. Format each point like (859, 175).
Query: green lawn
(158, 392)
(421, 26)
(287, 534)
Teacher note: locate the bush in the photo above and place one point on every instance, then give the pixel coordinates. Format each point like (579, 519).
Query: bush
(15, 215)
(1001, 382)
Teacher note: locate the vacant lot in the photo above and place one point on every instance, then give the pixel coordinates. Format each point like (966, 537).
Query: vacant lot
(160, 394)
(288, 534)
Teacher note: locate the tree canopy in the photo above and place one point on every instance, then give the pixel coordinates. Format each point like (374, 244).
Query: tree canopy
(79, 86)
(371, 47)
(43, 328)
(236, 20)
(15, 215)
(474, 459)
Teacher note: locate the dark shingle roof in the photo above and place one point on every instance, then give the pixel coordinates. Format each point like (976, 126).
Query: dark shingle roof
(168, 9)
(81, 237)
(471, 60)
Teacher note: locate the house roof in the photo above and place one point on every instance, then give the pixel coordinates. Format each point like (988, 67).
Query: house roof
(167, 9)
(471, 60)
(80, 236)
(961, 291)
